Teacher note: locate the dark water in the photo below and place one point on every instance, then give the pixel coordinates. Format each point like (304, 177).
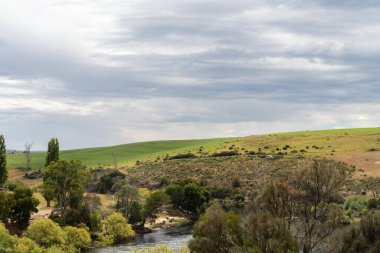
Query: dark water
(174, 237)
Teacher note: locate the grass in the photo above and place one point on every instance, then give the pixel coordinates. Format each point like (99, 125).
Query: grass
(125, 154)
(347, 145)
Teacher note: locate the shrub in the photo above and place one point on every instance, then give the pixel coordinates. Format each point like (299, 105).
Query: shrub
(78, 237)
(236, 183)
(182, 156)
(34, 175)
(225, 153)
(356, 203)
(25, 244)
(46, 233)
(117, 227)
(7, 241)
(373, 203)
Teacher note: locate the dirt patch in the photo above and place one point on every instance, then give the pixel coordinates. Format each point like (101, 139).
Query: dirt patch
(366, 163)
(43, 212)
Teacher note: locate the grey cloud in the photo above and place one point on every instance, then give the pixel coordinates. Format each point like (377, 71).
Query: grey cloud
(205, 62)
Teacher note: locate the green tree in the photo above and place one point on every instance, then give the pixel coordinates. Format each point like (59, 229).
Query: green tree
(194, 198)
(135, 213)
(152, 205)
(175, 192)
(126, 196)
(68, 180)
(52, 154)
(3, 162)
(23, 205)
(5, 206)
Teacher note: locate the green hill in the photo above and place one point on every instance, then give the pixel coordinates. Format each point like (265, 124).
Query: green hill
(125, 154)
(359, 147)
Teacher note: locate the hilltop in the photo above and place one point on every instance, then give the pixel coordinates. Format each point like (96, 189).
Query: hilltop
(359, 147)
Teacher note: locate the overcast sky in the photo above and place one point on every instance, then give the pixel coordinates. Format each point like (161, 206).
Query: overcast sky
(106, 72)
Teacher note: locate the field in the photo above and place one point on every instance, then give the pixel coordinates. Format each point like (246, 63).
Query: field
(126, 154)
(359, 147)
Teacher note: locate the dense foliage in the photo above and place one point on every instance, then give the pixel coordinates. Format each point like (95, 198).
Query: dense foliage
(66, 179)
(188, 195)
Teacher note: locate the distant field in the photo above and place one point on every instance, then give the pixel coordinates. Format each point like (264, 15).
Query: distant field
(125, 154)
(352, 146)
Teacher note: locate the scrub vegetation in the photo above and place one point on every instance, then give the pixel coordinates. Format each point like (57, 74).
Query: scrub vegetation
(268, 193)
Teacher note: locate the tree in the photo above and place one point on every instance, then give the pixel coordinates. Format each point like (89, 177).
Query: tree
(126, 196)
(5, 206)
(23, 205)
(317, 186)
(152, 205)
(267, 234)
(279, 199)
(194, 198)
(67, 179)
(175, 192)
(3, 162)
(28, 155)
(216, 231)
(52, 154)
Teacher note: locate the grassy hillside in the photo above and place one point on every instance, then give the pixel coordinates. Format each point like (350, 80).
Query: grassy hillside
(359, 147)
(125, 154)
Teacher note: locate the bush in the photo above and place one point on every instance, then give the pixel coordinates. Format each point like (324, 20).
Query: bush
(373, 203)
(356, 203)
(77, 237)
(236, 183)
(117, 227)
(25, 244)
(225, 153)
(46, 233)
(182, 156)
(34, 175)
(7, 241)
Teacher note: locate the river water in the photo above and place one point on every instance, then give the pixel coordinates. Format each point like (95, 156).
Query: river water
(174, 237)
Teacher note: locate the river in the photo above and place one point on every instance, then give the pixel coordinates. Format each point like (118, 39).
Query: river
(174, 237)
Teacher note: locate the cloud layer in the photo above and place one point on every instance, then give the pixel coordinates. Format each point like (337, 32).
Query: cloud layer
(107, 72)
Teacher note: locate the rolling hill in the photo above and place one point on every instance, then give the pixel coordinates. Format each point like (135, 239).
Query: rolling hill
(359, 147)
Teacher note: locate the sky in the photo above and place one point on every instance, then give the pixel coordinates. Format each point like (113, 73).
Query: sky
(107, 72)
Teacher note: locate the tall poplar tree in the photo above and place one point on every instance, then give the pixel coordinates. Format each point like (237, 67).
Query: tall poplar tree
(3, 162)
(51, 156)
(52, 152)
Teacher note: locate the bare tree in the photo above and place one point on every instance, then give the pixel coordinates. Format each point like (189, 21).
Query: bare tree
(28, 156)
